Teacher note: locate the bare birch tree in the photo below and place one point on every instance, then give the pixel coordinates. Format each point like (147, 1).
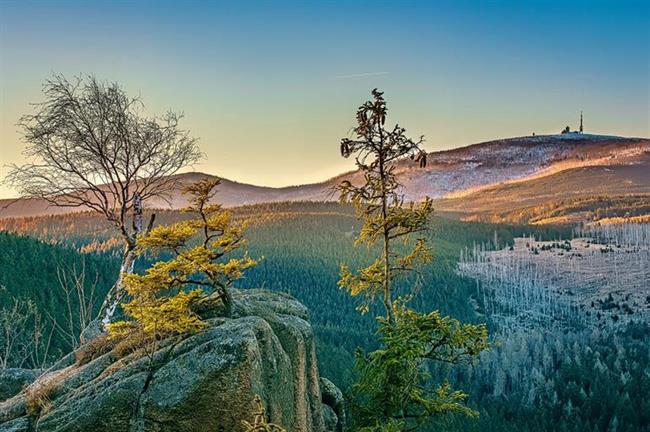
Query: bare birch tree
(90, 145)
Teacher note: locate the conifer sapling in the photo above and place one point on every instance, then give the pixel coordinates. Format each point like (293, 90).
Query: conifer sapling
(162, 299)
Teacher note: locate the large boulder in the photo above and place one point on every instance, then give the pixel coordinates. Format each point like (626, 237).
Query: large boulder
(13, 380)
(205, 382)
(333, 406)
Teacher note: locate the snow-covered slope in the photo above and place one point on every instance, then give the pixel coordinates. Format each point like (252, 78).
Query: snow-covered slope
(449, 174)
(460, 171)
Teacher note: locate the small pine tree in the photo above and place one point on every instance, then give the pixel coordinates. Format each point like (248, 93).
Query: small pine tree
(200, 248)
(379, 205)
(393, 391)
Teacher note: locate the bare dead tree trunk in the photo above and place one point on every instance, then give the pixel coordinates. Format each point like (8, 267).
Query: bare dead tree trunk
(73, 284)
(116, 293)
(137, 214)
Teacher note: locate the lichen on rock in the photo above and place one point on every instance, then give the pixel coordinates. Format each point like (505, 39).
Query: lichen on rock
(204, 382)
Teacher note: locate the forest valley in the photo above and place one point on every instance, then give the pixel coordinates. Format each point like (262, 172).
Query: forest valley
(426, 322)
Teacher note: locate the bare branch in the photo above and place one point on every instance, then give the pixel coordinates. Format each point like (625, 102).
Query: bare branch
(89, 145)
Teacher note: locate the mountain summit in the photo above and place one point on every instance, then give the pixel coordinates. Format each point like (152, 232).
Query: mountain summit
(451, 175)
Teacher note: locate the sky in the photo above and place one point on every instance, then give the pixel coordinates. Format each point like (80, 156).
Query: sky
(270, 88)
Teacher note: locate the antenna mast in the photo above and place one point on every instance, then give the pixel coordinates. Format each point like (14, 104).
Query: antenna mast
(581, 129)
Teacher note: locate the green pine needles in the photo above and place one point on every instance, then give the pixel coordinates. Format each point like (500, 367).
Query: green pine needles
(394, 390)
(379, 204)
(163, 299)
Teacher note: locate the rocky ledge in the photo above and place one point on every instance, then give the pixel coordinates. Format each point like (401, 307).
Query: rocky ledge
(202, 383)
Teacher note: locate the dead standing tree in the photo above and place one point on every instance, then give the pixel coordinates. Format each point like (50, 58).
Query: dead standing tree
(89, 145)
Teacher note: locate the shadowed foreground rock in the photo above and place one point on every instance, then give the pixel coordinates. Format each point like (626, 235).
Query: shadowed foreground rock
(205, 382)
(13, 380)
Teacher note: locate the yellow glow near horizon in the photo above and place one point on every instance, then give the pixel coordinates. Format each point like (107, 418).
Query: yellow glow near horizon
(271, 89)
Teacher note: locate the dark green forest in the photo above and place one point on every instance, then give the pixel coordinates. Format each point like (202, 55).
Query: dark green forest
(565, 380)
(30, 272)
(28, 269)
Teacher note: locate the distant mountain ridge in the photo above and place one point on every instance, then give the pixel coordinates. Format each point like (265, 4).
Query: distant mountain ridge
(450, 175)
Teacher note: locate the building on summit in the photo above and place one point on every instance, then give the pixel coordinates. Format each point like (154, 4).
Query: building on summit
(567, 129)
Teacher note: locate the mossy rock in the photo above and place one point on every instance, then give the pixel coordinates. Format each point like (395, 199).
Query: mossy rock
(202, 383)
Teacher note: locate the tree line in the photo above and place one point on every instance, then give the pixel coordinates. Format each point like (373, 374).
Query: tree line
(93, 147)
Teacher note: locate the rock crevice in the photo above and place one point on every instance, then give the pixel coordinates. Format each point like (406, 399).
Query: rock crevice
(205, 382)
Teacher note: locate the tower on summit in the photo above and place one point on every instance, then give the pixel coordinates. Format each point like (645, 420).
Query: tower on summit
(567, 130)
(581, 129)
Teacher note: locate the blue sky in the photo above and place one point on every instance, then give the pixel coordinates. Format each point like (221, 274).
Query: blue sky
(271, 87)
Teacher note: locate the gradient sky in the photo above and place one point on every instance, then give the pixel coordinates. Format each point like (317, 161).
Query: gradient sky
(271, 87)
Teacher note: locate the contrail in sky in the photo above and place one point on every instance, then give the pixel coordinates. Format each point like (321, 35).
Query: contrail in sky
(361, 75)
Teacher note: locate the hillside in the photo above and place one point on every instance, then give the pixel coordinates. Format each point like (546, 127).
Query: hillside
(459, 171)
(456, 173)
(303, 245)
(576, 194)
